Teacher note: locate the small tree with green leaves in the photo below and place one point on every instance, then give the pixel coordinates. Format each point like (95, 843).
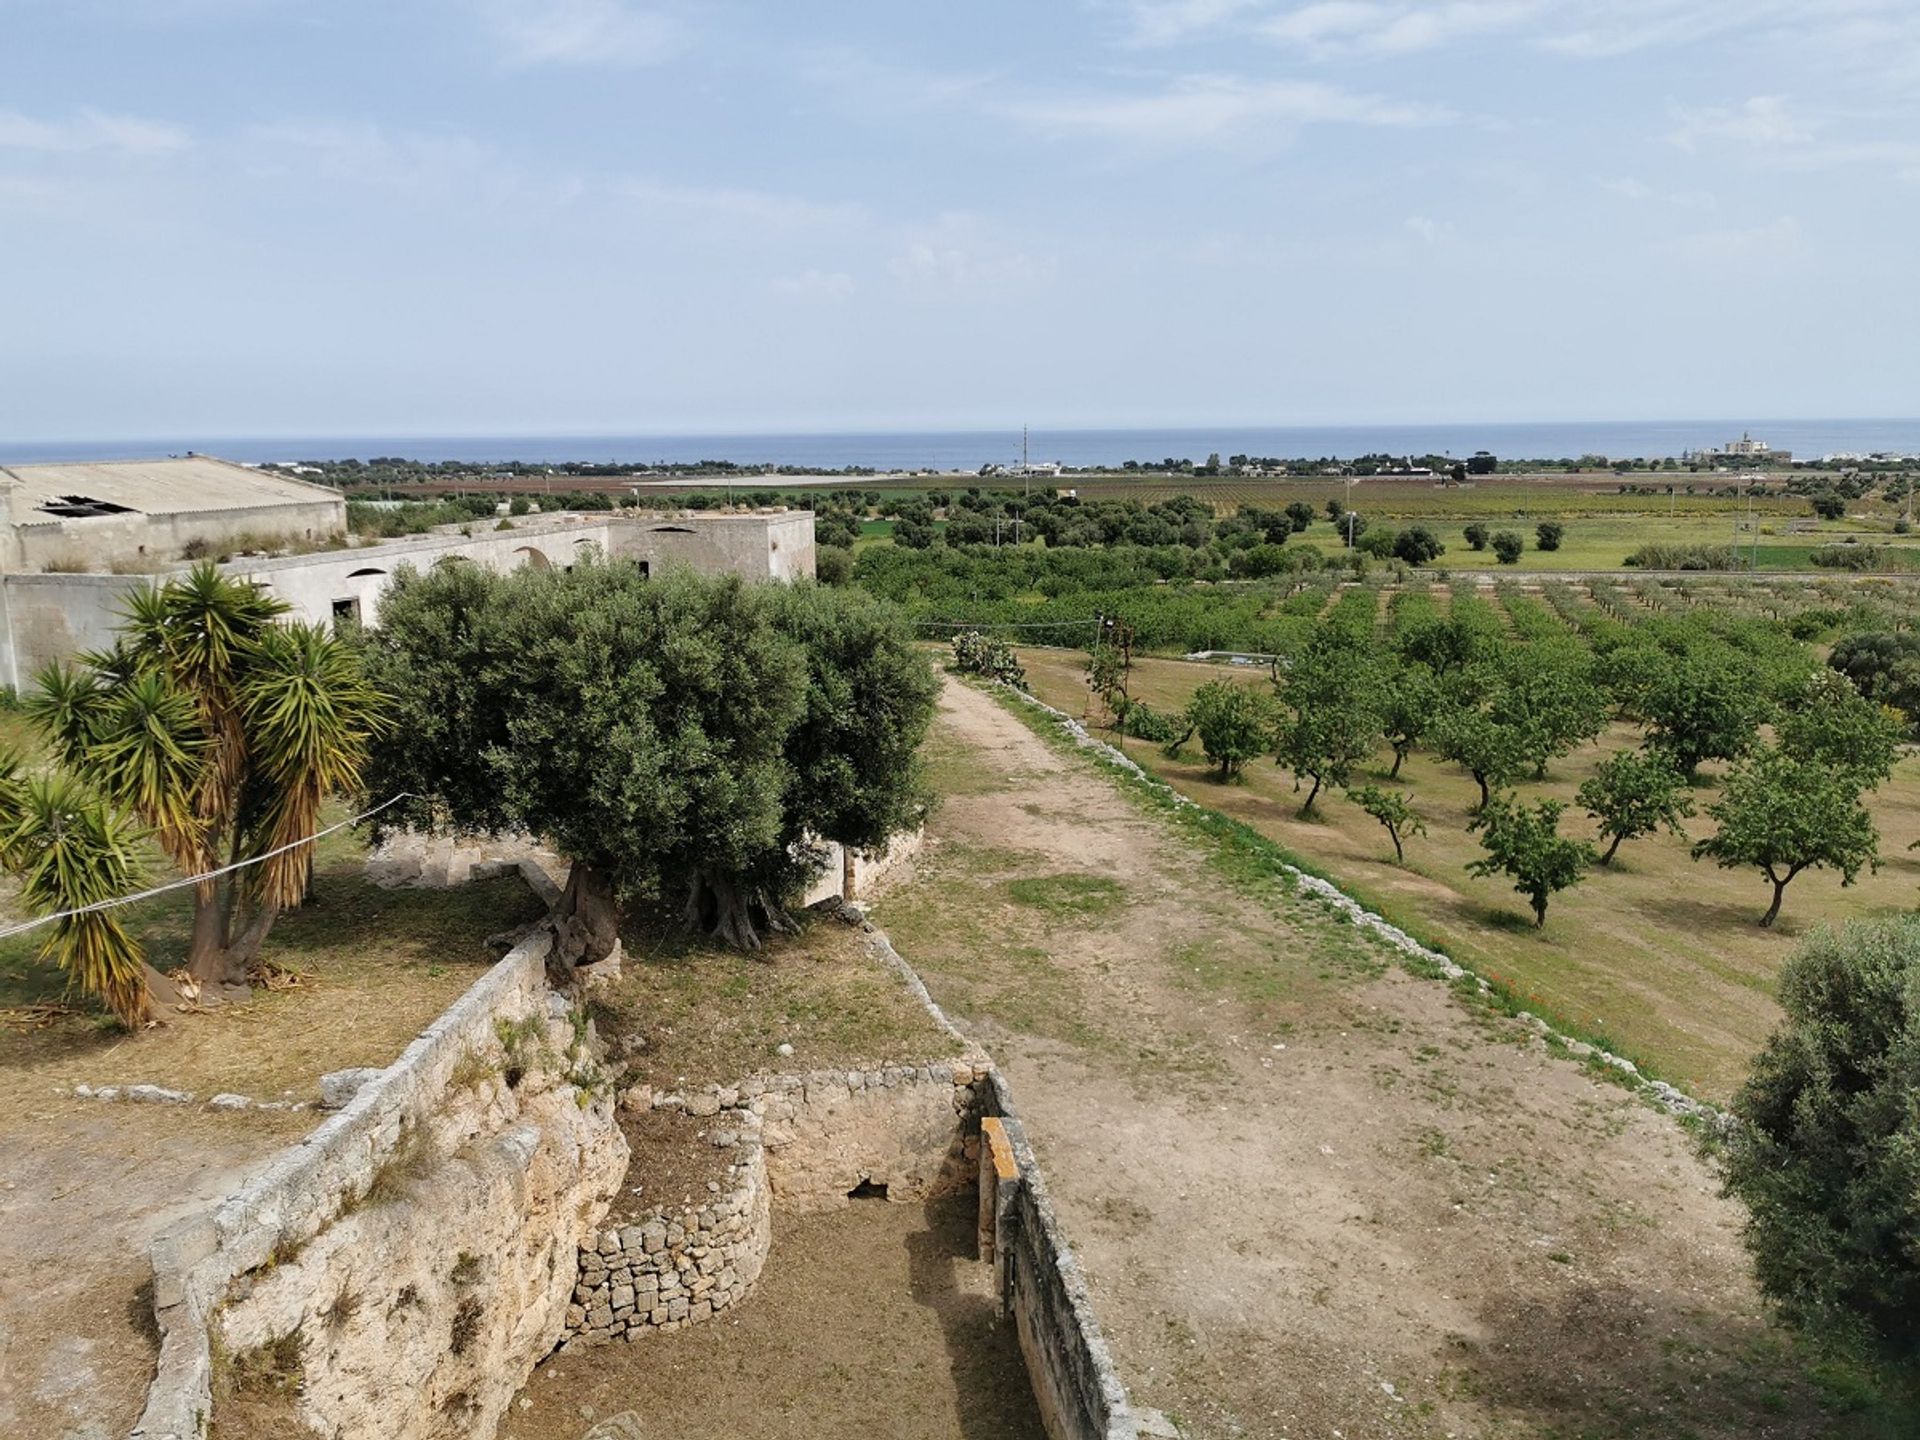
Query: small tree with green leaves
(1395, 812)
(1780, 815)
(1526, 844)
(1477, 536)
(1508, 547)
(1548, 534)
(1234, 723)
(1825, 1157)
(1634, 793)
(1407, 711)
(1333, 697)
(1831, 723)
(989, 657)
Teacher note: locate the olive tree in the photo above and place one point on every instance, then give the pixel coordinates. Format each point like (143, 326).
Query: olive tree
(1827, 1154)
(1508, 547)
(1634, 793)
(1781, 814)
(682, 740)
(1527, 845)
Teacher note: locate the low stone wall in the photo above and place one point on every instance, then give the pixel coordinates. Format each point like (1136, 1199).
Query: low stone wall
(868, 872)
(419, 1245)
(806, 1140)
(1038, 1281)
(911, 1128)
(678, 1268)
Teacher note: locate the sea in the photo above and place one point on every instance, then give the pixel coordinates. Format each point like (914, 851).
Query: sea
(959, 450)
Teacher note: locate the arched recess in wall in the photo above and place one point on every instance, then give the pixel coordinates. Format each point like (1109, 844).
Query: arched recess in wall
(533, 557)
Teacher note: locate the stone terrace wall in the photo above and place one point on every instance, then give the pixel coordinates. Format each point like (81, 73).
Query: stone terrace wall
(420, 1311)
(805, 1140)
(677, 1268)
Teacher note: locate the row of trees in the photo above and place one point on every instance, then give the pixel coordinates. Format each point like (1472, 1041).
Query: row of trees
(1503, 706)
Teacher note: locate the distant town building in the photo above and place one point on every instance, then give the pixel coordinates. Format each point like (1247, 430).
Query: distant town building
(1745, 450)
(76, 539)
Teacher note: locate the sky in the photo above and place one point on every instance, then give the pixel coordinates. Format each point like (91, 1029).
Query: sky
(431, 217)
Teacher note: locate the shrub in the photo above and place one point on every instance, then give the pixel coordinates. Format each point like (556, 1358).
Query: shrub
(977, 654)
(1851, 557)
(1684, 557)
(1234, 723)
(1417, 545)
(1143, 722)
(833, 565)
(1548, 534)
(1508, 547)
(1827, 1157)
(1477, 536)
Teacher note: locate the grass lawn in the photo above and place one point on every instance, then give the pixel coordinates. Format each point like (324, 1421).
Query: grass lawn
(1658, 955)
(709, 1015)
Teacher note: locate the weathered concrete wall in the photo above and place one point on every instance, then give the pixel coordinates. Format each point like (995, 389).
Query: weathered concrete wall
(1075, 1382)
(355, 1236)
(55, 617)
(136, 539)
(869, 872)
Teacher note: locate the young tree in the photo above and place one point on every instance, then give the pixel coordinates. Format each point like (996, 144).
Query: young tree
(1781, 815)
(1477, 536)
(1332, 697)
(680, 739)
(222, 731)
(1831, 723)
(1300, 513)
(1824, 1157)
(1508, 547)
(1411, 695)
(914, 534)
(1634, 793)
(1234, 723)
(1703, 704)
(1548, 534)
(1527, 845)
(1417, 545)
(1395, 812)
(1546, 694)
(1474, 732)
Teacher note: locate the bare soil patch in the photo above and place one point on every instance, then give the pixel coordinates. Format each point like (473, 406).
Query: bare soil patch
(674, 1158)
(1315, 1194)
(873, 1320)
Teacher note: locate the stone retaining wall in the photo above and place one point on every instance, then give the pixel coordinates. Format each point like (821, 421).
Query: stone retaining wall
(806, 1140)
(674, 1269)
(420, 1242)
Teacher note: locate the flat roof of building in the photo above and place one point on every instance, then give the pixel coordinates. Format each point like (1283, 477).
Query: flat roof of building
(49, 494)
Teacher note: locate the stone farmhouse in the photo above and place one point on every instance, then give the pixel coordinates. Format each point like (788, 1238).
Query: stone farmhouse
(76, 538)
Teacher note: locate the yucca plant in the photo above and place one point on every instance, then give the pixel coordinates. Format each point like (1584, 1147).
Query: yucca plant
(222, 732)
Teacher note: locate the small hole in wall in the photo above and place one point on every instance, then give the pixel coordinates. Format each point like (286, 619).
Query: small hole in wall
(868, 1190)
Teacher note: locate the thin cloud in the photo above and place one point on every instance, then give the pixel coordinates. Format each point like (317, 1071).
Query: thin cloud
(91, 131)
(581, 32)
(1761, 120)
(1333, 26)
(1206, 109)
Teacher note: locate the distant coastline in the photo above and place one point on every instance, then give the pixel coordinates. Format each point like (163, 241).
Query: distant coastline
(966, 450)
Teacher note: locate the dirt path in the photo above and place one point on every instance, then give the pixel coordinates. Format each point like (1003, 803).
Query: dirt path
(84, 1186)
(1316, 1195)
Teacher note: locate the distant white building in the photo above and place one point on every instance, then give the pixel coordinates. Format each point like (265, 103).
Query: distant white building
(1746, 448)
(76, 539)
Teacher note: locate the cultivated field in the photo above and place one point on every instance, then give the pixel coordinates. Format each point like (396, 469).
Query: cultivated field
(1658, 954)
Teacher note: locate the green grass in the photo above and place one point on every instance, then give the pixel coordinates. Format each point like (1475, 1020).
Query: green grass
(1080, 896)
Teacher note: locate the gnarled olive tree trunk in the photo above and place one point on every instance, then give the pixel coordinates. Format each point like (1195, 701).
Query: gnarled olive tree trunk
(720, 906)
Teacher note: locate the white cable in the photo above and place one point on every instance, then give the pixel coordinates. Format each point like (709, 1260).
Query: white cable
(26, 925)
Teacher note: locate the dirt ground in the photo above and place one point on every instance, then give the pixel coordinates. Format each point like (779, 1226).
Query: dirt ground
(1316, 1195)
(85, 1185)
(873, 1320)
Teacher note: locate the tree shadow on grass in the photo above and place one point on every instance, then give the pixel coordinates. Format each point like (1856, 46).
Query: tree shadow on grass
(988, 1375)
(1608, 1362)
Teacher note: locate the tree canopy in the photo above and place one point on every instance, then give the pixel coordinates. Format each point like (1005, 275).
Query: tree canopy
(681, 739)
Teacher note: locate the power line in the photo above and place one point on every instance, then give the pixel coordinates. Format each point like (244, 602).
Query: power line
(97, 905)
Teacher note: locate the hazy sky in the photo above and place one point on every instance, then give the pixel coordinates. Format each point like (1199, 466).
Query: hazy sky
(428, 216)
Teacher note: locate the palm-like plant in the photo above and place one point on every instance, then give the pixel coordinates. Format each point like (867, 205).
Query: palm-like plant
(70, 850)
(223, 733)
